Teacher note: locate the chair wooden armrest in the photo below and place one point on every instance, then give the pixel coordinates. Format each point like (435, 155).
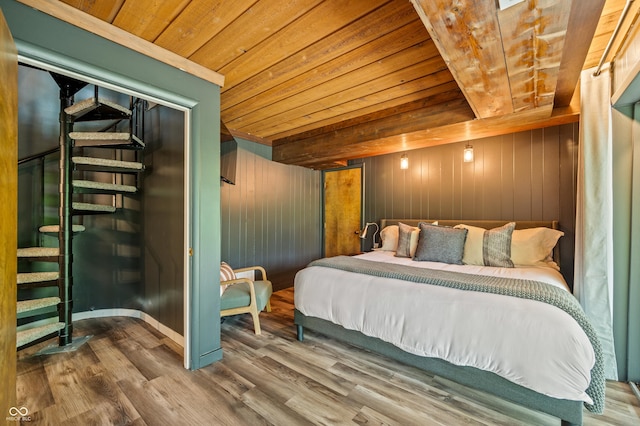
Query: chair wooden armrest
(253, 268)
(236, 281)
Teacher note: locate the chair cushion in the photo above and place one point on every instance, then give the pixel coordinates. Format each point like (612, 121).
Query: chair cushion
(238, 295)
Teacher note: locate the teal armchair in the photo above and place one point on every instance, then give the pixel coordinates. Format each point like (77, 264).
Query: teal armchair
(243, 295)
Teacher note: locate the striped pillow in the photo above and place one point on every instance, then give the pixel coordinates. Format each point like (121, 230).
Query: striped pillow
(226, 274)
(407, 240)
(496, 246)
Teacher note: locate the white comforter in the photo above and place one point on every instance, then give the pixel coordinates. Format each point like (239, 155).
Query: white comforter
(530, 343)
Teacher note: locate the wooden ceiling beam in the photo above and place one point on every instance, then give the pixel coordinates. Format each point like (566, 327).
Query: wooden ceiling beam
(468, 37)
(533, 39)
(310, 152)
(381, 104)
(434, 96)
(331, 165)
(336, 145)
(582, 25)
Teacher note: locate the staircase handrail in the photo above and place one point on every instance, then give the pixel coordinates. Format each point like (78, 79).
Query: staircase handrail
(38, 156)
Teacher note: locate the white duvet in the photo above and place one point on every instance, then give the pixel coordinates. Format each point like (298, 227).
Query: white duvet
(530, 343)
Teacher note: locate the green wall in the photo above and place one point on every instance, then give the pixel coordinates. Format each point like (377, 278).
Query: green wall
(626, 241)
(528, 175)
(46, 39)
(271, 216)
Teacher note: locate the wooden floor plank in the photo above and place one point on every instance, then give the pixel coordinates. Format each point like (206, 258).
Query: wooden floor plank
(309, 369)
(271, 410)
(128, 373)
(114, 361)
(443, 407)
(150, 403)
(35, 388)
(390, 408)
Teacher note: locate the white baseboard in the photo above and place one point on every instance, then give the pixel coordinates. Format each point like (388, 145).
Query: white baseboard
(133, 313)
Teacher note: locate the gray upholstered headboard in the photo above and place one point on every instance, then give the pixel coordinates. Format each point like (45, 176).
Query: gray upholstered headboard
(487, 224)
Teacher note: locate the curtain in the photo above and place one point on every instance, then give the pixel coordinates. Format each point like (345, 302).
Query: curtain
(593, 279)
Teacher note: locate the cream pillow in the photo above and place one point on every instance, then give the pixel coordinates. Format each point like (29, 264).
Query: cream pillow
(534, 246)
(391, 234)
(473, 245)
(389, 237)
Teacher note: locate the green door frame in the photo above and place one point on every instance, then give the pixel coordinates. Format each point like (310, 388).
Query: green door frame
(45, 39)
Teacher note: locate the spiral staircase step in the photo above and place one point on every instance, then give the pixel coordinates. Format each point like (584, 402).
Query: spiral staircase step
(38, 252)
(102, 109)
(104, 162)
(107, 139)
(24, 337)
(89, 185)
(35, 304)
(37, 277)
(88, 208)
(52, 229)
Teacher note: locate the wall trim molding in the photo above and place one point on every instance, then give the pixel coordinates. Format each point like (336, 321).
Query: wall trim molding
(132, 313)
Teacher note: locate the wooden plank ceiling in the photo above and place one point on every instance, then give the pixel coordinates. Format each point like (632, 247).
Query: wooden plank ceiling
(325, 81)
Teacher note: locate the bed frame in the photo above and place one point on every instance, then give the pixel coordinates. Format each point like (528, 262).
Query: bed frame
(570, 412)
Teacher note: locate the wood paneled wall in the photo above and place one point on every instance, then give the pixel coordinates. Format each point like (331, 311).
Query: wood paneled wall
(271, 216)
(523, 176)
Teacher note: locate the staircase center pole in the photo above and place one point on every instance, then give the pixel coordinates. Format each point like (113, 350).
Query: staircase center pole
(65, 235)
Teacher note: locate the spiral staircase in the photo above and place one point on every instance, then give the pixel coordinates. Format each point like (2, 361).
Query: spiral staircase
(99, 163)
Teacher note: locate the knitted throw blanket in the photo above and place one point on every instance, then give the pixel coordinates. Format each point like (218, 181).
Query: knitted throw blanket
(525, 289)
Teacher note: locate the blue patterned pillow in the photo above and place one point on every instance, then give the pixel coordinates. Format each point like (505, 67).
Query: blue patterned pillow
(496, 246)
(440, 244)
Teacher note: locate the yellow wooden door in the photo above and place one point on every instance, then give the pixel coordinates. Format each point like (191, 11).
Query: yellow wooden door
(342, 211)
(8, 215)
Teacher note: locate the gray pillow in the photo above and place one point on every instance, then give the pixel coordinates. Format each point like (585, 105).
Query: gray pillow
(440, 244)
(404, 240)
(496, 246)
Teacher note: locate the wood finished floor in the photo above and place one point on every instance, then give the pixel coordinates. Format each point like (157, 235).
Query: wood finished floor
(128, 373)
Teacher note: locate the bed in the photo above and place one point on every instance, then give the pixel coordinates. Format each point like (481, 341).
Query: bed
(489, 310)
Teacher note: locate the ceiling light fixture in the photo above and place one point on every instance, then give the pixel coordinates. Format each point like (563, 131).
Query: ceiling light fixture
(404, 162)
(467, 156)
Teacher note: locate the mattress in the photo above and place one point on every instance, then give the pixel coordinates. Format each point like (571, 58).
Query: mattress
(527, 342)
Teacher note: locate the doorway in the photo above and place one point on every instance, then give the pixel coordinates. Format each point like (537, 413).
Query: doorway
(134, 260)
(342, 212)
(8, 214)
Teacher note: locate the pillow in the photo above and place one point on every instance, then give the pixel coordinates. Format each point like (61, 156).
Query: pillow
(226, 274)
(473, 245)
(389, 236)
(496, 246)
(534, 246)
(440, 244)
(407, 240)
